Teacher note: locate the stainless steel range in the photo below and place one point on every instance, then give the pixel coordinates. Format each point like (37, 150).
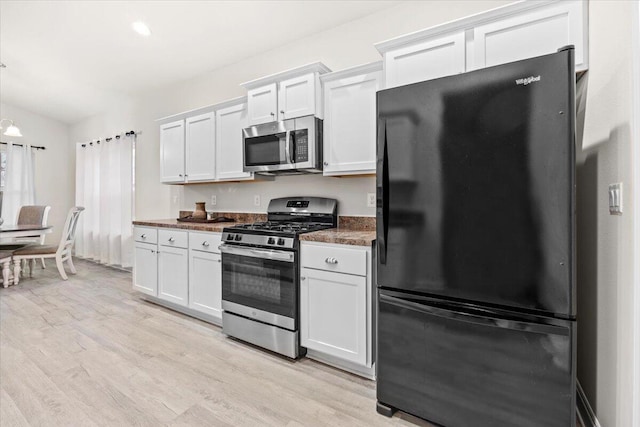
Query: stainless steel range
(260, 273)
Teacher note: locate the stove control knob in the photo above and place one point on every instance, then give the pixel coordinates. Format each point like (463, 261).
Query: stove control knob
(230, 237)
(238, 237)
(271, 241)
(281, 241)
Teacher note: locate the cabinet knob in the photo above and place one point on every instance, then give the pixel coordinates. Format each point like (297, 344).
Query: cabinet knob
(205, 244)
(273, 114)
(331, 260)
(219, 260)
(326, 163)
(303, 278)
(171, 239)
(281, 111)
(180, 175)
(144, 236)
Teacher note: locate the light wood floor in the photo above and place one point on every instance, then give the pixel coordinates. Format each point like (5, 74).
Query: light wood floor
(89, 352)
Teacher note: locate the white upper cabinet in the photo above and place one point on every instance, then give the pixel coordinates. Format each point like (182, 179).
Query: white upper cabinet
(229, 157)
(297, 97)
(350, 120)
(430, 59)
(509, 33)
(287, 95)
(172, 151)
(200, 148)
(532, 33)
(263, 104)
(205, 145)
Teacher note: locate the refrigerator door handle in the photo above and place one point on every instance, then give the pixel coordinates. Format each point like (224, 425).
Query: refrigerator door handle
(382, 201)
(475, 319)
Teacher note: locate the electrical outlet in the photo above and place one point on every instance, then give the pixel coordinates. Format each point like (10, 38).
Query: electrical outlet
(256, 200)
(214, 200)
(615, 199)
(175, 200)
(371, 200)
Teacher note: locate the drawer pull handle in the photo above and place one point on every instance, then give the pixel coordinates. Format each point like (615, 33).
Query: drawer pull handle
(205, 244)
(171, 239)
(331, 260)
(144, 236)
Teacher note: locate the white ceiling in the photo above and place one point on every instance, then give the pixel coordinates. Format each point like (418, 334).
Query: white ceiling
(71, 59)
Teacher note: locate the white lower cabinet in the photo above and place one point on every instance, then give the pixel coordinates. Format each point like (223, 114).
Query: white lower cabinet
(205, 283)
(335, 320)
(173, 270)
(145, 270)
(336, 305)
(185, 269)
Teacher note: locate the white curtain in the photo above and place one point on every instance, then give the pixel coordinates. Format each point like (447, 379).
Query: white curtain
(19, 189)
(104, 186)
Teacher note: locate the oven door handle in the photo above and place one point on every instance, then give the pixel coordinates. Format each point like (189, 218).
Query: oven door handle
(258, 253)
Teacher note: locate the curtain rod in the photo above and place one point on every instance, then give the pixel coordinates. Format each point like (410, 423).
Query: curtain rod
(131, 132)
(36, 147)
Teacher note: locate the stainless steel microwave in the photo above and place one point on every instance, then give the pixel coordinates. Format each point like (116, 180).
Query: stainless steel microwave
(288, 146)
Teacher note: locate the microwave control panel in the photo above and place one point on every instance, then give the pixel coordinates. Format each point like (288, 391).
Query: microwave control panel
(302, 147)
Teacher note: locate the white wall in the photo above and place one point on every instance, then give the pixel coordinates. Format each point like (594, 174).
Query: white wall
(338, 48)
(54, 178)
(605, 242)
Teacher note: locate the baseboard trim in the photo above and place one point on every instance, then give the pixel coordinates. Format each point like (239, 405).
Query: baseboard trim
(585, 411)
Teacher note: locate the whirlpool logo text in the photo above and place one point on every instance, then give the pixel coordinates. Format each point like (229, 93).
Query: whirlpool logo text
(528, 80)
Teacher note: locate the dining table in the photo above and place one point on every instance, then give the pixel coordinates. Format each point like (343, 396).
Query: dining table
(8, 232)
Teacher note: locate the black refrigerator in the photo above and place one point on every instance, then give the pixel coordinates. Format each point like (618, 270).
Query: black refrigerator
(476, 246)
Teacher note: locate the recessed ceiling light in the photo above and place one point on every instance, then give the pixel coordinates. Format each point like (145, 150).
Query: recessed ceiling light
(141, 28)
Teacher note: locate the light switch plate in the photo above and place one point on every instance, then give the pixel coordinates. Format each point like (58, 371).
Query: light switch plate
(615, 199)
(371, 200)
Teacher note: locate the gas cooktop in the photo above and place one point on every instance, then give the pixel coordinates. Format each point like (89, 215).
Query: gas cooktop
(282, 227)
(287, 218)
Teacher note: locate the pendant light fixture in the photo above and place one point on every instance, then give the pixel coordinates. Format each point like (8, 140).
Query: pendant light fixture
(12, 130)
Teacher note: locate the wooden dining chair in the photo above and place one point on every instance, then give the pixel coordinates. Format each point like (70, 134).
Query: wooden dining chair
(33, 215)
(61, 253)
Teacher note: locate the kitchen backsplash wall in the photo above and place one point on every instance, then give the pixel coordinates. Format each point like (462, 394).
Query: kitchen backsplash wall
(351, 193)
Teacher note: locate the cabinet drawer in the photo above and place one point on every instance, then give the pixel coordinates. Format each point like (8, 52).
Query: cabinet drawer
(174, 238)
(145, 235)
(335, 258)
(207, 242)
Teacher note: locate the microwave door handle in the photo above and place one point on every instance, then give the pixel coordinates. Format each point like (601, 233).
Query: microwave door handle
(287, 147)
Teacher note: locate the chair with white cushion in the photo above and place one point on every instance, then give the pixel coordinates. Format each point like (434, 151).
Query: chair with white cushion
(61, 252)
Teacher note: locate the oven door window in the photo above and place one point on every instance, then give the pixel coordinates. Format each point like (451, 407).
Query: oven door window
(266, 150)
(264, 284)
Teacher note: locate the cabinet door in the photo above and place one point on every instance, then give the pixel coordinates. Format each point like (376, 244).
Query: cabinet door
(263, 104)
(297, 97)
(229, 159)
(172, 152)
(205, 283)
(534, 33)
(200, 148)
(145, 268)
(173, 275)
(427, 60)
(333, 314)
(350, 124)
